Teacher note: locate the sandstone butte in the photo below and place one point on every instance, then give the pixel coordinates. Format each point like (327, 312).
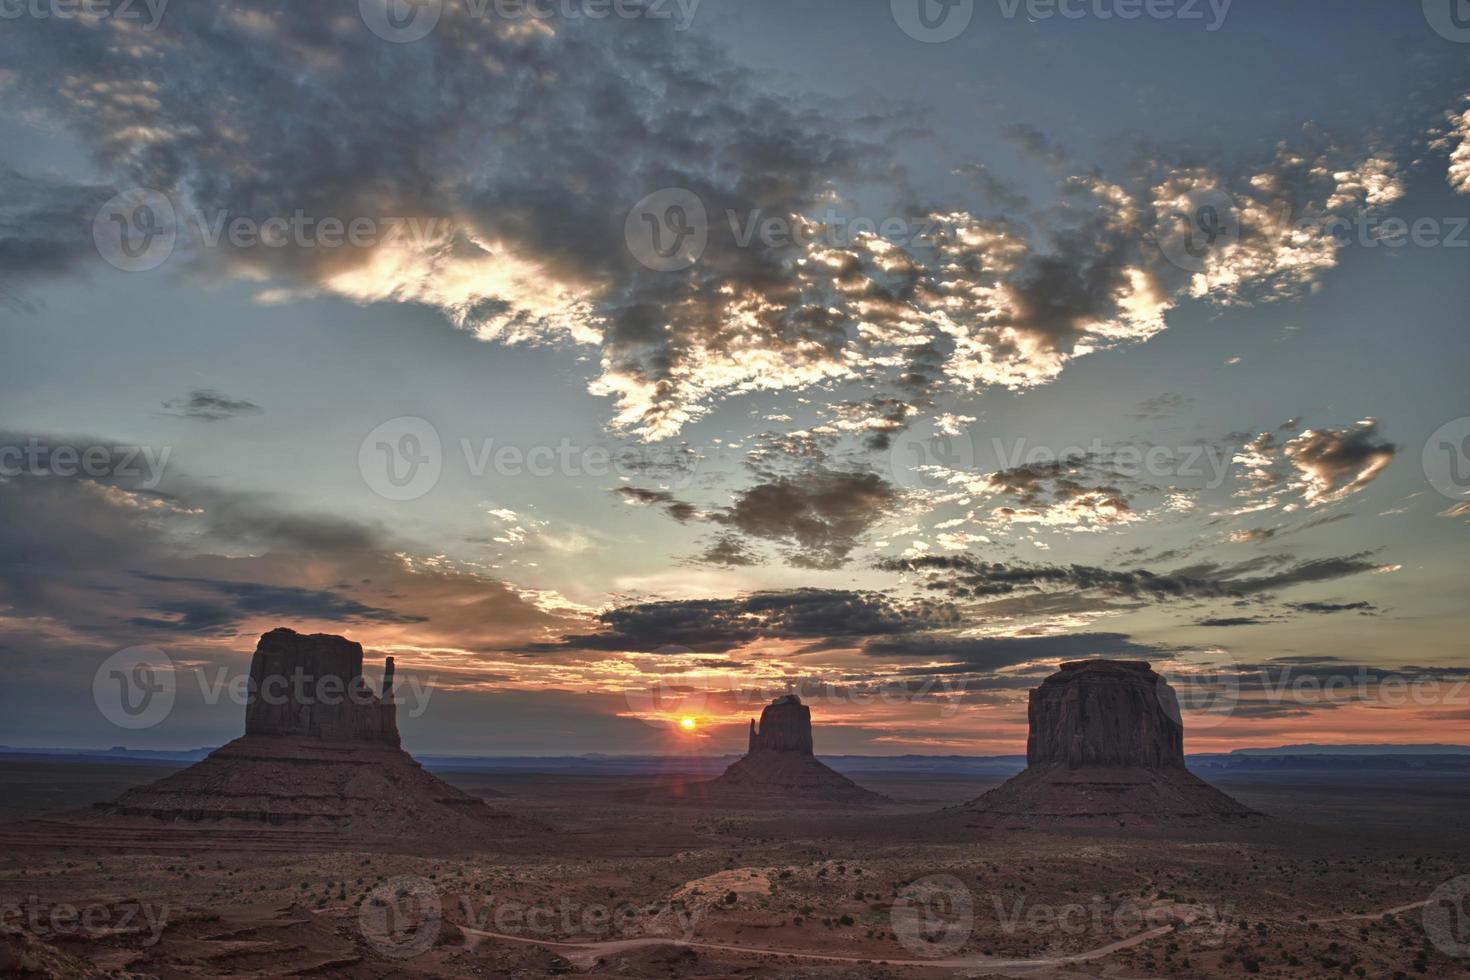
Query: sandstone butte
(1105, 748)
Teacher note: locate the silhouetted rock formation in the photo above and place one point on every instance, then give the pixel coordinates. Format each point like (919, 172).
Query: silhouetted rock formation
(1106, 746)
(780, 768)
(786, 726)
(320, 751)
(313, 686)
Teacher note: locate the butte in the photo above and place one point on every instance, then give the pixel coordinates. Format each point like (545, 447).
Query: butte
(1106, 748)
(319, 765)
(780, 769)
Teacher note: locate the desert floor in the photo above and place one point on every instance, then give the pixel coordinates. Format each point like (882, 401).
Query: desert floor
(1333, 883)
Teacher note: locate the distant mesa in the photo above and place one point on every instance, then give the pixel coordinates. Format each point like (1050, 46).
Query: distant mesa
(780, 768)
(1106, 748)
(321, 756)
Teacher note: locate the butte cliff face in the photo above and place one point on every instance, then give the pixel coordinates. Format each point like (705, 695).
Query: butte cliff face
(313, 686)
(780, 768)
(1106, 747)
(320, 758)
(1105, 713)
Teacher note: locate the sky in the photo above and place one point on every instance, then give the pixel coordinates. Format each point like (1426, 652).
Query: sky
(611, 364)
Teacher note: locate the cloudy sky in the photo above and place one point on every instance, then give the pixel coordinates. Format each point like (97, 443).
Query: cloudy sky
(610, 365)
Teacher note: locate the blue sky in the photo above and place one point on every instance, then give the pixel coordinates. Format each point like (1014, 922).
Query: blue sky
(771, 466)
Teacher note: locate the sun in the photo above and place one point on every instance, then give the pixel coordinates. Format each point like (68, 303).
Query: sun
(688, 724)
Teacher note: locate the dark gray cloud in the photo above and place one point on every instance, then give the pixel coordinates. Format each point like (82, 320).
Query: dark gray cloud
(819, 514)
(1035, 144)
(220, 108)
(1366, 608)
(675, 508)
(730, 551)
(209, 406)
(968, 577)
(222, 605)
(826, 617)
(990, 653)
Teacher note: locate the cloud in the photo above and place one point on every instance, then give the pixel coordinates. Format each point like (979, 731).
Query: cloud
(1333, 463)
(1162, 406)
(220, 106)
(820, 514)
(824, 616)
(967, 577)
(1035, 144)
(730, 551)
(991, 653)
(1457, 141)
(1323, 465)
(209, 406)
(675, 508)
(1366, 608)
